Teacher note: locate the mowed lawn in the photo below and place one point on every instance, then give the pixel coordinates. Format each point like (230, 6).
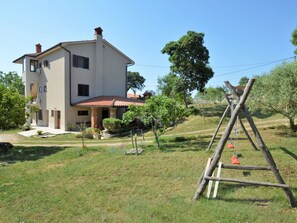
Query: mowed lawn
(100, 184)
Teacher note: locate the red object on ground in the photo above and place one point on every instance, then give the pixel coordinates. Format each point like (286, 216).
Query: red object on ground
(235, 160)
(230, 146)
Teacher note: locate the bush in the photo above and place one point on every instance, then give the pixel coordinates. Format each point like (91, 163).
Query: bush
(26, 127)
(111, 124)
(39, 132)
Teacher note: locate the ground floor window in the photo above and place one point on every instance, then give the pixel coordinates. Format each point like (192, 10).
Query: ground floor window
(82, 113)
(40, 115)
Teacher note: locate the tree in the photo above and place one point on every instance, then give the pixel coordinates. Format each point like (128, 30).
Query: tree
(13, 81)
(211, 94)
(12, 108)
(243, 81)
(294, 39)
(159, 112)
(277, 92)
(168, 86)
(135, 81)
(189, 58)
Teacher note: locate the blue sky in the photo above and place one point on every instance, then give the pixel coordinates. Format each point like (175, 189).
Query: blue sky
(237, 32)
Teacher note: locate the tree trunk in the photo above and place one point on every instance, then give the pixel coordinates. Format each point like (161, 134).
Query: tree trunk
(293, 126)
(156, 137)
(185, 98)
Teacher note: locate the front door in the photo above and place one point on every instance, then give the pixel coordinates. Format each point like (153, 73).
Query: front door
(58, 119)
(105, 113)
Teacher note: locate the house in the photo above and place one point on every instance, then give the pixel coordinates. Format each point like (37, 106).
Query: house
(77, 81)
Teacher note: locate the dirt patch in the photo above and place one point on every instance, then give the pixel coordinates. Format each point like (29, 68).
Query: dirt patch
(12, 138)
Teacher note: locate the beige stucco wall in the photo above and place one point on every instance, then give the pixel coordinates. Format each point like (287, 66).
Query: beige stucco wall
(106, 76)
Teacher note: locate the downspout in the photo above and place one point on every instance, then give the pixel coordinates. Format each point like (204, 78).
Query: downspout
(69, 72)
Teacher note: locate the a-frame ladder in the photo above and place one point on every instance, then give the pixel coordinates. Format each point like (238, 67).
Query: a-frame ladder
(208, 173)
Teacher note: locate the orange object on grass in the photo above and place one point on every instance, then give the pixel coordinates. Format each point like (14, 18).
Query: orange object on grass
(235, 160)
(230, 146)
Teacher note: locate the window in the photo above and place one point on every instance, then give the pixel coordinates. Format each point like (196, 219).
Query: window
(33, 65)
(52, 113)
(82, 113)
(83, 90)
(82, 62)
(40, 114)
(45, 88)
(40, 89)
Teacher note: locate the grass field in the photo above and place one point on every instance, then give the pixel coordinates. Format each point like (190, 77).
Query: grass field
(100, 184)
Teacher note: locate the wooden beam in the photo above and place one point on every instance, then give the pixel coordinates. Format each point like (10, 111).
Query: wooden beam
(218, 127)
(236, 167)
(264, 149)
(221, 144)
(258, 183)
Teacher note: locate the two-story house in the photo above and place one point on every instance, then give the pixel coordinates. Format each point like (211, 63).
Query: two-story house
(76, 81)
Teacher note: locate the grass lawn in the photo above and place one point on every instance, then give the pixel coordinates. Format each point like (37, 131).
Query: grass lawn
(100, 184)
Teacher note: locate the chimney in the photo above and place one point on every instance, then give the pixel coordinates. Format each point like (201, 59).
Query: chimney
(38, 48)
(98, 32)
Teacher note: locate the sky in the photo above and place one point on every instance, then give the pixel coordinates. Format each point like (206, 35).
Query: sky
(244, 38)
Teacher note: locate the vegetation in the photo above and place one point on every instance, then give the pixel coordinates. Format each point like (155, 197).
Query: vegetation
(12, 108)
(189, 58)
(100, 184)
(111, 124)
(294, 39)
(211, 95)
(135, 81)
(243, 81)
(277, 92)
(12, 81)
(159, 112)
(168, 86)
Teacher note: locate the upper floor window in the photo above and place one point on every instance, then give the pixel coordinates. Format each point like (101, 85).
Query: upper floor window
(45, 88)
(33, 65)
(83, 90)
(82, 62)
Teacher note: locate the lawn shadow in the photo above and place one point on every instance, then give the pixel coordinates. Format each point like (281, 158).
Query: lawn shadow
(293, 155)
(33, 153)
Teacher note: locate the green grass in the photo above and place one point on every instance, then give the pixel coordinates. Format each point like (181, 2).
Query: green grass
(100, 184)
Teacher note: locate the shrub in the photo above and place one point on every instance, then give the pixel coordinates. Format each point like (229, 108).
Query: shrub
(111, 124)
(26, 127)
(39, 132)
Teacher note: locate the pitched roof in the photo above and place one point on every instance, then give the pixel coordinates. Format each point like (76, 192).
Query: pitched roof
(109, 101)
(133, 95)
(35, 55)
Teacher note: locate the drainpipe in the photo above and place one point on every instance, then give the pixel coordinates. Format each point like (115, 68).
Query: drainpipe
(69, 72)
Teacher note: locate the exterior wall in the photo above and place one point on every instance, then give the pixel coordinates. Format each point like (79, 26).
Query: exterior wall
(114, 70)
(106, 76)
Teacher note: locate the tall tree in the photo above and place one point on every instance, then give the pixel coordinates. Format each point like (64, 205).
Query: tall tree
(13, 81)
(243, 81)
(168, 86)
(12, 108)
(159, 112)
(294, 39)
(135, 81)
(277, 92)
(189, 58)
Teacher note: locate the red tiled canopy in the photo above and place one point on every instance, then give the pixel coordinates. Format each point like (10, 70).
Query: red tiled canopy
(109, 101)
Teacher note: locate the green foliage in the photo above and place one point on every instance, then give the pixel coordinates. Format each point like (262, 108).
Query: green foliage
(12, 81)
(189, 58)
(39, 132)
(159, 112)
(168, 86)
(294, 39)
(277, 92)
(135, 81)
(243, 81)
(211, 94)
(111, 124)
(12, 108)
